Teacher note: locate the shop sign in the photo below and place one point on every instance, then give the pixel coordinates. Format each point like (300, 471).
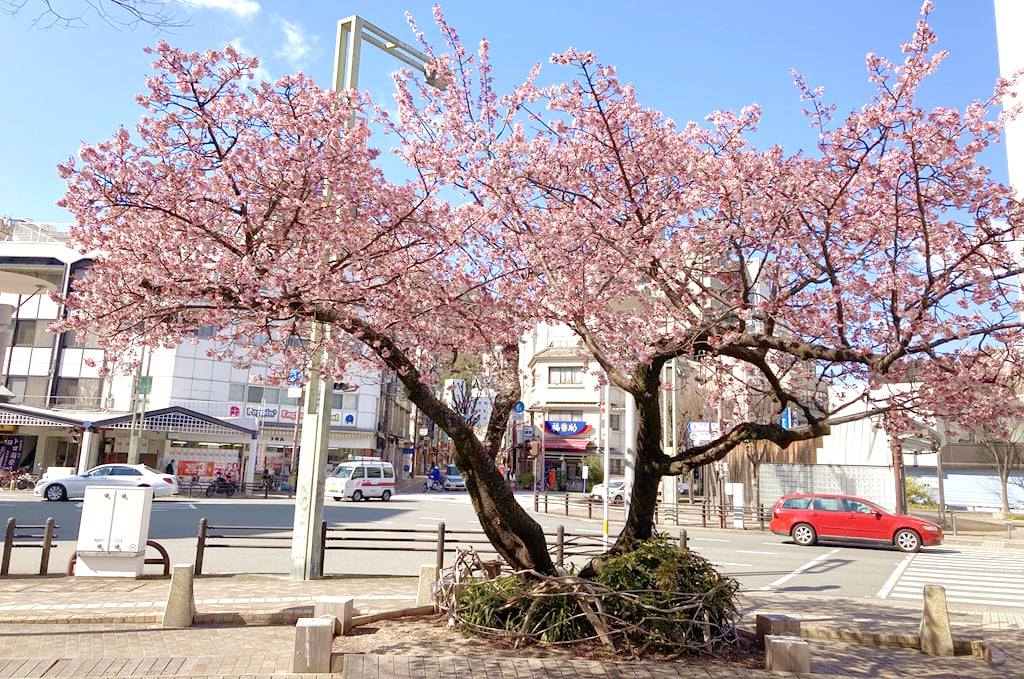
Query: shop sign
(11, 448)
(562, 428)
(344, 419)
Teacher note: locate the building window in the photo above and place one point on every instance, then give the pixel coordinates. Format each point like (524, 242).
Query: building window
(25, 334)
(345, 401)
(78, 392)
(615, 421)
(565, 375)
(236, 392)
(254, 394)
(18, 386)
(615, 466)
(565, 416)
(67, 454)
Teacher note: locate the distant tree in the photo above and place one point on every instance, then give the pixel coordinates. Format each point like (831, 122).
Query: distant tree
(159, 14)
(1003, 441)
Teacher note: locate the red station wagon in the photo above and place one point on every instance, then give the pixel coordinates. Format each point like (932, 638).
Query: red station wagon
(809, 518)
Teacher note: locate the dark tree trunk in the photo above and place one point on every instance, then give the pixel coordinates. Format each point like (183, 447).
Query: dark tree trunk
(517, 538)
(643, 499)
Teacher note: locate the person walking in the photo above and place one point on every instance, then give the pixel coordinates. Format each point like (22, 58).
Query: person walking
(169, 469)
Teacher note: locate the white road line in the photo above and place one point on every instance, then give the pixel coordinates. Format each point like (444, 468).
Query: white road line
(710, 540)
(959, 600)
(896, 573)
(749, 551)
(191, 506)
(434, 518)
(728, 563)
(786, 578)
(988, 590)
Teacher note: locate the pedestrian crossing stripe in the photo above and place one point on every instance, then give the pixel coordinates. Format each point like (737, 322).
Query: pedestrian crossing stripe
(968, 578)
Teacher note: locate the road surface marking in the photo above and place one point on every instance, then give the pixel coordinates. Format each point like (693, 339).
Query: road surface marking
(710, 540)
(895, 576)
(729, 563)
(750, 551)
(992, 579)
(434, 518)
(786, 578)
(191, 506)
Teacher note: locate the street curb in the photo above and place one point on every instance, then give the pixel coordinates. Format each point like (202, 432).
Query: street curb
(287, 616)
(962, 646)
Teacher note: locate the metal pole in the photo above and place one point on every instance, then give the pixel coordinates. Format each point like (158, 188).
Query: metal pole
(293, 469)
(607, 461)
(5, 561)
(682, 540)
(44, 558)
(440, 547)
(942, 489)
(560, 546)
(200, 546)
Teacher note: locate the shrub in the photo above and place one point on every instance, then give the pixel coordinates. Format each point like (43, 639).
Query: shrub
(653, 598)
(918, 492)
(596, 464)
(526, 480)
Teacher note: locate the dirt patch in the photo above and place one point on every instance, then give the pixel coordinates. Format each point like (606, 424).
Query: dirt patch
(431, 636)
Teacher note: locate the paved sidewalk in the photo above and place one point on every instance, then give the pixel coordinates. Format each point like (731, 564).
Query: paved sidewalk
(73, 649)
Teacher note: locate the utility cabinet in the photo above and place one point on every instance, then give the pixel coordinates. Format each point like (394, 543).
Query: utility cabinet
(113, 531)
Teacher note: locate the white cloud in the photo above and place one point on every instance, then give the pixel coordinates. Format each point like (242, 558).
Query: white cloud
(297, 45)
(260, 73)
(243, 9)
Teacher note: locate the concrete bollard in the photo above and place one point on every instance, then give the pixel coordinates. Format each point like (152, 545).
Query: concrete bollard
(775, 624)
(425, 590)
(787, 654)
(313, 639)
(936, 634)
(342, 608)
(181, 602)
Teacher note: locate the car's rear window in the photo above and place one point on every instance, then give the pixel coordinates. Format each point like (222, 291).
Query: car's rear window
(796, 503)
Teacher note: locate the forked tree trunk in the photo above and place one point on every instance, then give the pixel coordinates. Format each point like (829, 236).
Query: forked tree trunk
(643, 499)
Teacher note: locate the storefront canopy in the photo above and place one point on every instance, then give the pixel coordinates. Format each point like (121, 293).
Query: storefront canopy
(173, 419)
(570, 445)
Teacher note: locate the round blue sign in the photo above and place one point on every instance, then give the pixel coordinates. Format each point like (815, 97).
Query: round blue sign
(520, 407)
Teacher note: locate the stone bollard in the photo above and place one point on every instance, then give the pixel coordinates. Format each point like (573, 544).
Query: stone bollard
(936, 634)
(787, 654)
(342, 608)
(181, 602)
(313, 639)
(425, 591)
(775, 624)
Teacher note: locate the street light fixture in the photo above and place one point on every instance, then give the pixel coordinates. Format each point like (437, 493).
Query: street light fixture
(309, 496)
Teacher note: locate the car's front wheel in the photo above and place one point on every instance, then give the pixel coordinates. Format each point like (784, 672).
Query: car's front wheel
(56, 493)
(386, 495)
(804, 534)
(357, 495)
(907, 540)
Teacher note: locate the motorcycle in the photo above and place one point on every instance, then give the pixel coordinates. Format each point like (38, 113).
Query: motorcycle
(433, 484)
(221, 486)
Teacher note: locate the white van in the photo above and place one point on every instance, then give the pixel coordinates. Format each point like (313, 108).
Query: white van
(361, 480)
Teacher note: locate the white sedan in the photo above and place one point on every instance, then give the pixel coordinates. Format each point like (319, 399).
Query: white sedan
(616, 491)
(134, 475)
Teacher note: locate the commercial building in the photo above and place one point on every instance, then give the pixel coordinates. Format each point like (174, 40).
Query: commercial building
(203, 413)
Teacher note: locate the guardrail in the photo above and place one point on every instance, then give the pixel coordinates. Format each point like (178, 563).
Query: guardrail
(441, 541)
(11, 535)
(679, 514)
(255, 489)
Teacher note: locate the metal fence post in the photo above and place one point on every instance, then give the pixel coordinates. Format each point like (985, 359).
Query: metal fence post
(682, 540)
(440, 547)
(655, 514)
(536, 501)
(760, 515)
(590, 507)
(566, 496)
(704, 513)
(952, 517)
(545, 502)
(5, 563)
(323, 545)
(560, 546)
(1009, 531)
(200, 545)
(44, 558)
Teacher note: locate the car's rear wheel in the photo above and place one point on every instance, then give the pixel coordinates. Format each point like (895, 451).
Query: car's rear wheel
(386, 495)
(907, 540)
(357, 495)
(56, 493)
(804, 534)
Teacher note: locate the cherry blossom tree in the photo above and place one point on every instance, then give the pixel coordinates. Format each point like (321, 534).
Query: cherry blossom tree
(257, 209)
(885, 255)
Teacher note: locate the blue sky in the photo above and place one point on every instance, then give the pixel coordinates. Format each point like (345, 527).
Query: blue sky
(67, 86)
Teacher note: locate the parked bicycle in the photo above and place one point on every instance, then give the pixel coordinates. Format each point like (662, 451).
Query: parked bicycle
(221, 486)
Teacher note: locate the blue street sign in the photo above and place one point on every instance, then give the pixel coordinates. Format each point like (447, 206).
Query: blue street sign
(295, 377)
(786, 421)
(520, 407)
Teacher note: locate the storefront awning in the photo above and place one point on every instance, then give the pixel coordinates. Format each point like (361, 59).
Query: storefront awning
(573, 445)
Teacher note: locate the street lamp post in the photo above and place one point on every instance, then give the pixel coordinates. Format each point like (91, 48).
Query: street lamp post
(316, 416)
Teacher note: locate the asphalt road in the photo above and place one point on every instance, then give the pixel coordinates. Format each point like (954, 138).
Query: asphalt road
(974, 579)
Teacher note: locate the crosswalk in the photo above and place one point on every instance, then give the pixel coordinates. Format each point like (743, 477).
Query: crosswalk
(970, 577)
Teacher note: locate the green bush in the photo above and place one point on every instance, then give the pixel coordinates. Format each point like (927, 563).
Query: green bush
(918, 492)
(662, 599)
(526, 480)
(596, 464)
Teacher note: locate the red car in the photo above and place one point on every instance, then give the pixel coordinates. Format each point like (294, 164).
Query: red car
(812, 517)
